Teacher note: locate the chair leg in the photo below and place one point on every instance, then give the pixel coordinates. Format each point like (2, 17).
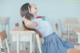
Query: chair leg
(0, 45)
(7, 46)
(38, 42)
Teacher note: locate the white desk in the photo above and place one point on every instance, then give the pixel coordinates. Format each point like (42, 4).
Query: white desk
(21, 35)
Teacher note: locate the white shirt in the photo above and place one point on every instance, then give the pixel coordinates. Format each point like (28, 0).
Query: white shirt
(44, 27)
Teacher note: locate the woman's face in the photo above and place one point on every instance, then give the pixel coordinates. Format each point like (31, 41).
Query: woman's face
(33, 10)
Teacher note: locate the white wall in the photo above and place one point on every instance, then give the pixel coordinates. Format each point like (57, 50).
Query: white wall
(52, 9)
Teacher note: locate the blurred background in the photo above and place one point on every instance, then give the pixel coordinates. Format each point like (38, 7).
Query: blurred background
(58, 12)
(54, 10)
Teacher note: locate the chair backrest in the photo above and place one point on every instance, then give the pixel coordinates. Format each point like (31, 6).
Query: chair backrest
(72, 23)
(69, 25)
(3, 35)
(4, 20)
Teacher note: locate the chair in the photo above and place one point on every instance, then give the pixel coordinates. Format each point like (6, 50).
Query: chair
(70, 25)
(3, 37)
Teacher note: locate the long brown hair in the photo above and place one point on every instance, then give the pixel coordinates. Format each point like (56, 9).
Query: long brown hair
(24, 11)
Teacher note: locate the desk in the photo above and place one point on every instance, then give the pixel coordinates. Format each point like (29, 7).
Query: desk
(18, 34)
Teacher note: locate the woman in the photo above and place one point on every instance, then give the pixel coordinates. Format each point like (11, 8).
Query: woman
(52, 43)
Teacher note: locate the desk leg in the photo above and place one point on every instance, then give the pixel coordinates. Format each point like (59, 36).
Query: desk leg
(0, 45)
(34, 42)
(31, 43)
(17, 43)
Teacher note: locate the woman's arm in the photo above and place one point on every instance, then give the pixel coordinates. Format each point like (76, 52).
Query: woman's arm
(29, 24)
(32, 25)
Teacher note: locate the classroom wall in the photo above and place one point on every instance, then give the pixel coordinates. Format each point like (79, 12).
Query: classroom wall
(54, 10)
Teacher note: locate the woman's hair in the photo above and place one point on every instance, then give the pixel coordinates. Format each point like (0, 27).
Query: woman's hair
(24, 11)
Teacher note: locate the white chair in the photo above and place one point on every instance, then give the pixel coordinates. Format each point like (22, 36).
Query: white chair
(3, 37)
(71, 25)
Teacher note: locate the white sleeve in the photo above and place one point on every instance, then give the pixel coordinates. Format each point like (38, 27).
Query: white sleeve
(37, 21)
